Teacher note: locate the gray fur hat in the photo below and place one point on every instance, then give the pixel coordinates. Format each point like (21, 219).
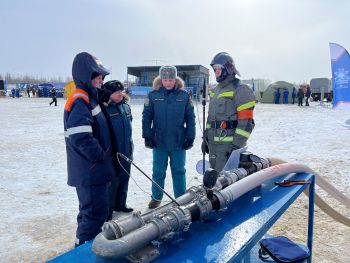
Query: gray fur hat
(168, 72)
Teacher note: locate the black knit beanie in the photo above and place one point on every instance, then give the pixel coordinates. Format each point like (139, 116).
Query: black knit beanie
(114, 85)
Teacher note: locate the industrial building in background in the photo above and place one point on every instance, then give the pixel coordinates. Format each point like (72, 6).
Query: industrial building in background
(140, 79)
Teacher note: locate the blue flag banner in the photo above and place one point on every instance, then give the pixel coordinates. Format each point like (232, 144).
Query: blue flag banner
(340, 60)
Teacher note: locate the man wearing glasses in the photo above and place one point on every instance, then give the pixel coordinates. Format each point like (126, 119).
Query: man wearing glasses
(230, 117)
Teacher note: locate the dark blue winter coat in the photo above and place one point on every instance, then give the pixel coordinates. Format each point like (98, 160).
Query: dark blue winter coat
(121, 118)
(87, 135)
(168, 116)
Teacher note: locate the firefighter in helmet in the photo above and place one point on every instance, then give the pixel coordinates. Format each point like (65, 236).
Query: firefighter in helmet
(230, 117)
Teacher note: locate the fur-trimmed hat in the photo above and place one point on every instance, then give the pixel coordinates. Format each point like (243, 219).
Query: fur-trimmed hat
(168, 72)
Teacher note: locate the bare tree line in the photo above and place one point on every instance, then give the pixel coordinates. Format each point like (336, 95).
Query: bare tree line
(15, 79)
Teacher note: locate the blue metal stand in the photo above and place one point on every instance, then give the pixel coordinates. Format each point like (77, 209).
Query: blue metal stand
(310, 231)
(229, 235)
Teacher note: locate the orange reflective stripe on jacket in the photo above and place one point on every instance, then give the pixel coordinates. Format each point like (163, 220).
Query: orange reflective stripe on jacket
(77, 94)
(245, 114)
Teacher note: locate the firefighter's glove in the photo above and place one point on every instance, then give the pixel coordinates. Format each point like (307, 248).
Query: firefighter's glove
(188, 144)
(105, 95)
(205, 147)
(149, 143)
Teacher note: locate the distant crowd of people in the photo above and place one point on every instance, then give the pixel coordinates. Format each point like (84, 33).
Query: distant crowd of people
(31, 89)
(303, 94)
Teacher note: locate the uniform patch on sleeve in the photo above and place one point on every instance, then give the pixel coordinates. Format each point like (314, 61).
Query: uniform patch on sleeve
(146, 102)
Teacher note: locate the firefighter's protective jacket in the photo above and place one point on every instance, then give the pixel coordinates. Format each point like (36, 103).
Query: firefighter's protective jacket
(230, 118)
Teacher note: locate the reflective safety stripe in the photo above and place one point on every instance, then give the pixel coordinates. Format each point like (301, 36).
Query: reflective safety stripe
(243, 133)
(78, 129)
(226, 94)
(245, 114)
(81, 95)
(223, 138)
(246, 105)
(96, 110)
(211, 94)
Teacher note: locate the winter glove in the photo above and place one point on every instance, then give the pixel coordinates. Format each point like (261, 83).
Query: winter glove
(105, 95)
(188, 144)
(205, 147)
(149, 143)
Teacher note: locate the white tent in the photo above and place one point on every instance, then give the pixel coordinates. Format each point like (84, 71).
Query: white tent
(270, 93)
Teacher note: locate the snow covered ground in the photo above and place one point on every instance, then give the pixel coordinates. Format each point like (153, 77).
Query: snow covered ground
(38, 217)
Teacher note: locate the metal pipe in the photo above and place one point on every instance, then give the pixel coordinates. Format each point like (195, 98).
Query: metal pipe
(174, 219)
(129, 223)
(121, 237)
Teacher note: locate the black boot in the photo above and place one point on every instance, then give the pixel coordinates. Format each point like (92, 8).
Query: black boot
(125, 209)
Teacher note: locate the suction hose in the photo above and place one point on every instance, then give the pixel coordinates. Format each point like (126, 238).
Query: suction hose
(330, 189)
(248, 183)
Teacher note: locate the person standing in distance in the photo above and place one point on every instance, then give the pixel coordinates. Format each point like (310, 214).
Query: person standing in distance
(277, 96)
(53, 96)
(307, 95)
(285, 96)
(294, 94)
(88, 145)
(230, 117)
(300, 96)
(168, 127)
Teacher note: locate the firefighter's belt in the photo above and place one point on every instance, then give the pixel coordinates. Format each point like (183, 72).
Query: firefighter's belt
(223, 124)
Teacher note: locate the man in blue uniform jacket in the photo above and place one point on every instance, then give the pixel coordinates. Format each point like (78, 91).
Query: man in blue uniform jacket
(168, 127)
(88, 146)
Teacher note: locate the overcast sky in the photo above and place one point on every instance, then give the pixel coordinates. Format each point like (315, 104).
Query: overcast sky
(273, 39)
